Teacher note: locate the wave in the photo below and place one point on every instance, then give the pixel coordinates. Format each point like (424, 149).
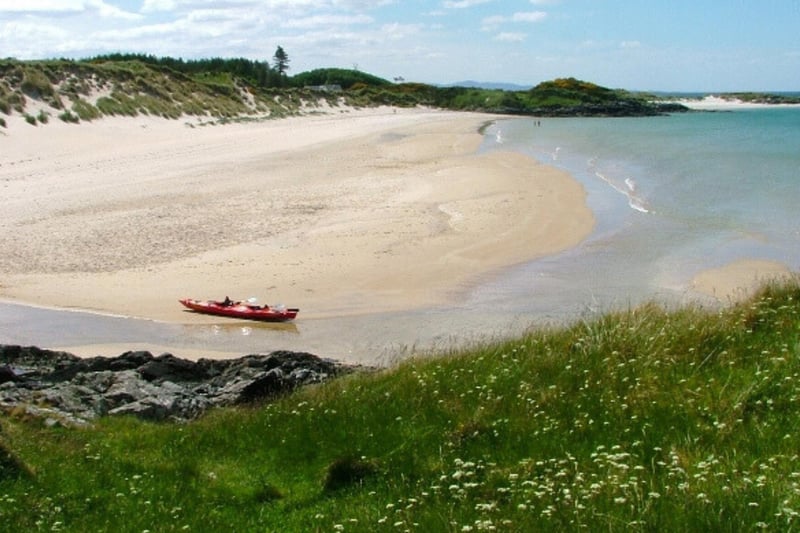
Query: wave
(627, 188)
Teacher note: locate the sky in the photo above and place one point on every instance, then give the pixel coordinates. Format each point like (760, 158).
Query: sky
(658, 45)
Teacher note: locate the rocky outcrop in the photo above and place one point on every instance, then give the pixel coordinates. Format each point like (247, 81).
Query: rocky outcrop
(606, 109)
(63, 388)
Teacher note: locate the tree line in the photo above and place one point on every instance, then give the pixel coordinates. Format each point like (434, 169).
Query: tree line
(259, 73)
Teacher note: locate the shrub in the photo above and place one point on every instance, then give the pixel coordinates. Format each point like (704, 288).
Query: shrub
(85, 110)
(69, 116)
(11, 100)
(348, 471)
(117, 104)
(36, 85)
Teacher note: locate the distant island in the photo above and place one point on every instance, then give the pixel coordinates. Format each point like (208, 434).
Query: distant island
(234, 89)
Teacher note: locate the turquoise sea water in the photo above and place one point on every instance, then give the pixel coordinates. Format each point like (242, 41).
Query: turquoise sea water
(673, 196)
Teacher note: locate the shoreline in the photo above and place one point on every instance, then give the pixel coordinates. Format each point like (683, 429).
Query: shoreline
(370, 340)
(360, 212)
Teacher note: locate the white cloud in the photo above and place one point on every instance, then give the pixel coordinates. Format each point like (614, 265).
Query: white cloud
(150, 30)
(59, 7)
(510, 37)
(399, 31)
(630, 44)
(151, 6)
(531, 16)
(109, 11)
(32, 31)
(32, 6)
(362, 4)
(490, 23)
(461, 4)
(328, 20)
(494, 21)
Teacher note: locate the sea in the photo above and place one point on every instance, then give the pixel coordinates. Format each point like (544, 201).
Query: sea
(673, 196)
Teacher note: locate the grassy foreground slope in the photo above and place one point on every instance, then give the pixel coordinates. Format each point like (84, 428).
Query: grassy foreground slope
(650, 420)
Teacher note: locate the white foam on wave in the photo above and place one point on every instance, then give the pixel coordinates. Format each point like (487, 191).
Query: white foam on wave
(628, 188)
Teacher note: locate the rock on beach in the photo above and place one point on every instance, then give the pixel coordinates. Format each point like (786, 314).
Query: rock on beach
(65, 389)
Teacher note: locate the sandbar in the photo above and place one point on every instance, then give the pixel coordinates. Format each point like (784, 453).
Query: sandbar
(739, 280)
(341, 213)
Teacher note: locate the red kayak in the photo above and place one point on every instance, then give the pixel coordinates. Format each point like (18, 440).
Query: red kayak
(241, 310)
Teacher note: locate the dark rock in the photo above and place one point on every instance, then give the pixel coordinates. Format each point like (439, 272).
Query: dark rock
(171, 368)
(69, 390)
(31, 361)
(126, 361)
(268, 384)
(6, 374)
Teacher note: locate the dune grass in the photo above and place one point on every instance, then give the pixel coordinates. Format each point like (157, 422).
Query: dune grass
(643, 420)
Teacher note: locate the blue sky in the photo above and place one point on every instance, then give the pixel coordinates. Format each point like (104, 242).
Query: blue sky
(673, 45)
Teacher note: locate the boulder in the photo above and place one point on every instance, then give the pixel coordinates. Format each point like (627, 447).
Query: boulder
(6, 374)
(73, 391)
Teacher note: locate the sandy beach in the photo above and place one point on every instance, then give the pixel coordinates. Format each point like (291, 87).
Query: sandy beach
(739, 280)
(346, 213)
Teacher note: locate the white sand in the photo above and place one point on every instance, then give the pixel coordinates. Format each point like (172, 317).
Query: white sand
(717, 103)
(352, 212)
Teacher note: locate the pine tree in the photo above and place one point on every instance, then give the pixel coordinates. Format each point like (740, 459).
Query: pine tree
(281, 61)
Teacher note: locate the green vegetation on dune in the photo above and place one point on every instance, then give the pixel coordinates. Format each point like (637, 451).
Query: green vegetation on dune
(648, 419)
(220, 89)
(86, 90)
(346, 79)
(225, 89)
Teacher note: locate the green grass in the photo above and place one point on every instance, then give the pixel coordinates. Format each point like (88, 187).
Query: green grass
(84, 110)
(644, 420)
